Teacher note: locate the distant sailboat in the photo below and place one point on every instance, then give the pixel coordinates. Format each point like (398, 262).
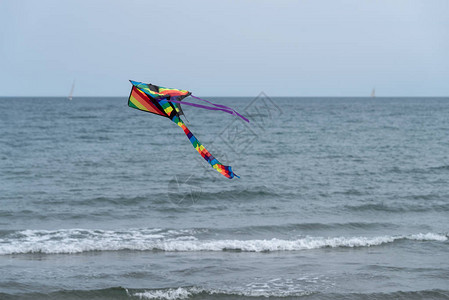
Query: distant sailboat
(373, 93)
(71, 91)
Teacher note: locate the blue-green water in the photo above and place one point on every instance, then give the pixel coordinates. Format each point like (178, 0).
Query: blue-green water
(338, 199)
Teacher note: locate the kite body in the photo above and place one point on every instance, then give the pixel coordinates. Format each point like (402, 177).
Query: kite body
(166, 102)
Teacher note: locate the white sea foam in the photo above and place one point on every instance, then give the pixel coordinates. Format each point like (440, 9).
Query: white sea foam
(428, 237)
(169, 294)
(187, 292)
(80, 240)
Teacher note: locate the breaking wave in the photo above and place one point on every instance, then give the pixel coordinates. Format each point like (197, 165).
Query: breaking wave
(181, 293)
(191, 292)
(68, 241)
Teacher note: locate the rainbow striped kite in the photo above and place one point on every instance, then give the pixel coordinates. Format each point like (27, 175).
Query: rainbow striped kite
(166, 102)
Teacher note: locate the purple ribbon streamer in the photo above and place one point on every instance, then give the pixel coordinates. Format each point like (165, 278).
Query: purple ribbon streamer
(217, 107)
(232, 112)
(221, 106)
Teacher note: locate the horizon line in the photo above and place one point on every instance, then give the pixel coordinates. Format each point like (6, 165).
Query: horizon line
(297, 96)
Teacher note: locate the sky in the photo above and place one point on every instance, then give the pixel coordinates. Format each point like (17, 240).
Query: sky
(225, 48)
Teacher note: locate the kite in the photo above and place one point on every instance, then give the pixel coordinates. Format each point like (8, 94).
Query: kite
(166, 102)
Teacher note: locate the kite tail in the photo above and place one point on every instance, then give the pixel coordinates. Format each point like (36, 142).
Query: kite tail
(225, 170)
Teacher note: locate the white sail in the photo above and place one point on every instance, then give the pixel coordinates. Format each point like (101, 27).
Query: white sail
(71, 91)
(373, 93)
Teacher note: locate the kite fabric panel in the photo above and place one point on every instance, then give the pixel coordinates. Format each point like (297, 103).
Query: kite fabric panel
(139, 100)
(166, 102)
(158, 91)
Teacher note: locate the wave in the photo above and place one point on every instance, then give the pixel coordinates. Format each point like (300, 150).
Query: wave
(316, 226)
(178, 293)
(192, 190)
(200, 293)
(443, 167)
(424, 170)
(181, 293)
(194, 292)
(399, 208)
(70, 241)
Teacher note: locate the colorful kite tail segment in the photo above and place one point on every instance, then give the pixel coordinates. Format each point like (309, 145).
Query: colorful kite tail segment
(225, 170)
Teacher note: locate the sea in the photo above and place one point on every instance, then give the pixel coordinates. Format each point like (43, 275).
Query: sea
(338, 198)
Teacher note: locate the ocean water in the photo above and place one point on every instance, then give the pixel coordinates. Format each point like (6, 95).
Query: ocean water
(339, 198)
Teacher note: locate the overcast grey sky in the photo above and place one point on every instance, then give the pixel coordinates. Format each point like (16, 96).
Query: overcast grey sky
(225, 48)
